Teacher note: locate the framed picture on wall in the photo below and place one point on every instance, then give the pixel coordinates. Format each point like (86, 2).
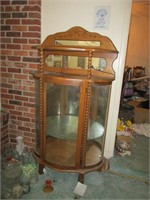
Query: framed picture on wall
(101, 17)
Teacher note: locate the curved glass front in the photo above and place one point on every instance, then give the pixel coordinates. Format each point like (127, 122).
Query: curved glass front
(62, 108)
(97, 124)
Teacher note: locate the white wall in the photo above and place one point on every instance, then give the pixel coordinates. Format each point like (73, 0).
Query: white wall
(60, 15)
(139, 42)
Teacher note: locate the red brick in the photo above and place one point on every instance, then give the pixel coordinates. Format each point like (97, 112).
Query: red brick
(5, 28)
(20, 40)
(30, 21)
(4, 102)
(22, 109)
(15, 122)
(3, 69)
(19, 28)
(27, 124)
(27, 71)
(4, 80)
(20, 53)
(13, 46)
(14, 58)
(32, 110)
(21, 65)
(27, 139)
(31, 34)
(5, 15)
(24, 119)
(15, 92)
(33, 66)
(16, 2)
(34, 41)
(29, 83)
(13, 34)
(30, 115)
(27, 47)
(34, 15)
(4, 90)
(2, 9)
(6, 85)
(6, 52)
(32, 89)
(5, 40)
(19, 15)
(13, 21)
(31, 8)
(21, 87)
(13, 117)
(14, 102)
(8, 75)
(29, 94)
(28, 134)
(22, 98)
(2, 34)
(21, 76)
(14, 81)
(7, 96)
(5, 2)
(14, 112)
(14, 70)
(8, 106)
(38, 2)
(29, 104)
(23, 128)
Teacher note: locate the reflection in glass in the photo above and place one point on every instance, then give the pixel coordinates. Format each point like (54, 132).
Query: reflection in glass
(99, 101)
(99, 63)
(75, 62)
(62, 106)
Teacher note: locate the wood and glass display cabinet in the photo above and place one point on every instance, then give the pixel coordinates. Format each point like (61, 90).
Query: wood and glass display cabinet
(73, 86)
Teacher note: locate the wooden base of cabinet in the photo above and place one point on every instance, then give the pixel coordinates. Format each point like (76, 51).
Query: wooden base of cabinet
(61, 156)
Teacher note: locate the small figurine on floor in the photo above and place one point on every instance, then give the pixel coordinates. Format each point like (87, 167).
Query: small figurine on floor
(48, 186)
(123, 148)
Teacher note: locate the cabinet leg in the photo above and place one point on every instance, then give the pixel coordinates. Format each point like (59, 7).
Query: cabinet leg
(81, 178)
(41, 167)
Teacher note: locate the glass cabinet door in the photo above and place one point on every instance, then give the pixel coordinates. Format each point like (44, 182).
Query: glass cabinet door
(62, 108)
(97, 124)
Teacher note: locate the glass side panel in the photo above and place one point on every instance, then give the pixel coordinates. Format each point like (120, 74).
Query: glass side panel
(96, 129)
(37, 110)
(62, 105)
(75, 62)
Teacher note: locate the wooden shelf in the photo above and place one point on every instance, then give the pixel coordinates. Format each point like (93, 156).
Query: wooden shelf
(63, 152)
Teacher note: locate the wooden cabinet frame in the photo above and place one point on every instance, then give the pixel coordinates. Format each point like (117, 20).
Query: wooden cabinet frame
(82, 77)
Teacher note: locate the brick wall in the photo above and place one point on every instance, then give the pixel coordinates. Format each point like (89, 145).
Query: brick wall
(20, 31)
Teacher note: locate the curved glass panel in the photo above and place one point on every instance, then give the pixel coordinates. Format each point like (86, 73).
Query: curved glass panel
(62, 106)
(97, 121)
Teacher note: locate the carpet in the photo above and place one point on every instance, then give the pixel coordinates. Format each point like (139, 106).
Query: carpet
(142, 129)
(136, 165)
(128, 178)
(100, 185)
